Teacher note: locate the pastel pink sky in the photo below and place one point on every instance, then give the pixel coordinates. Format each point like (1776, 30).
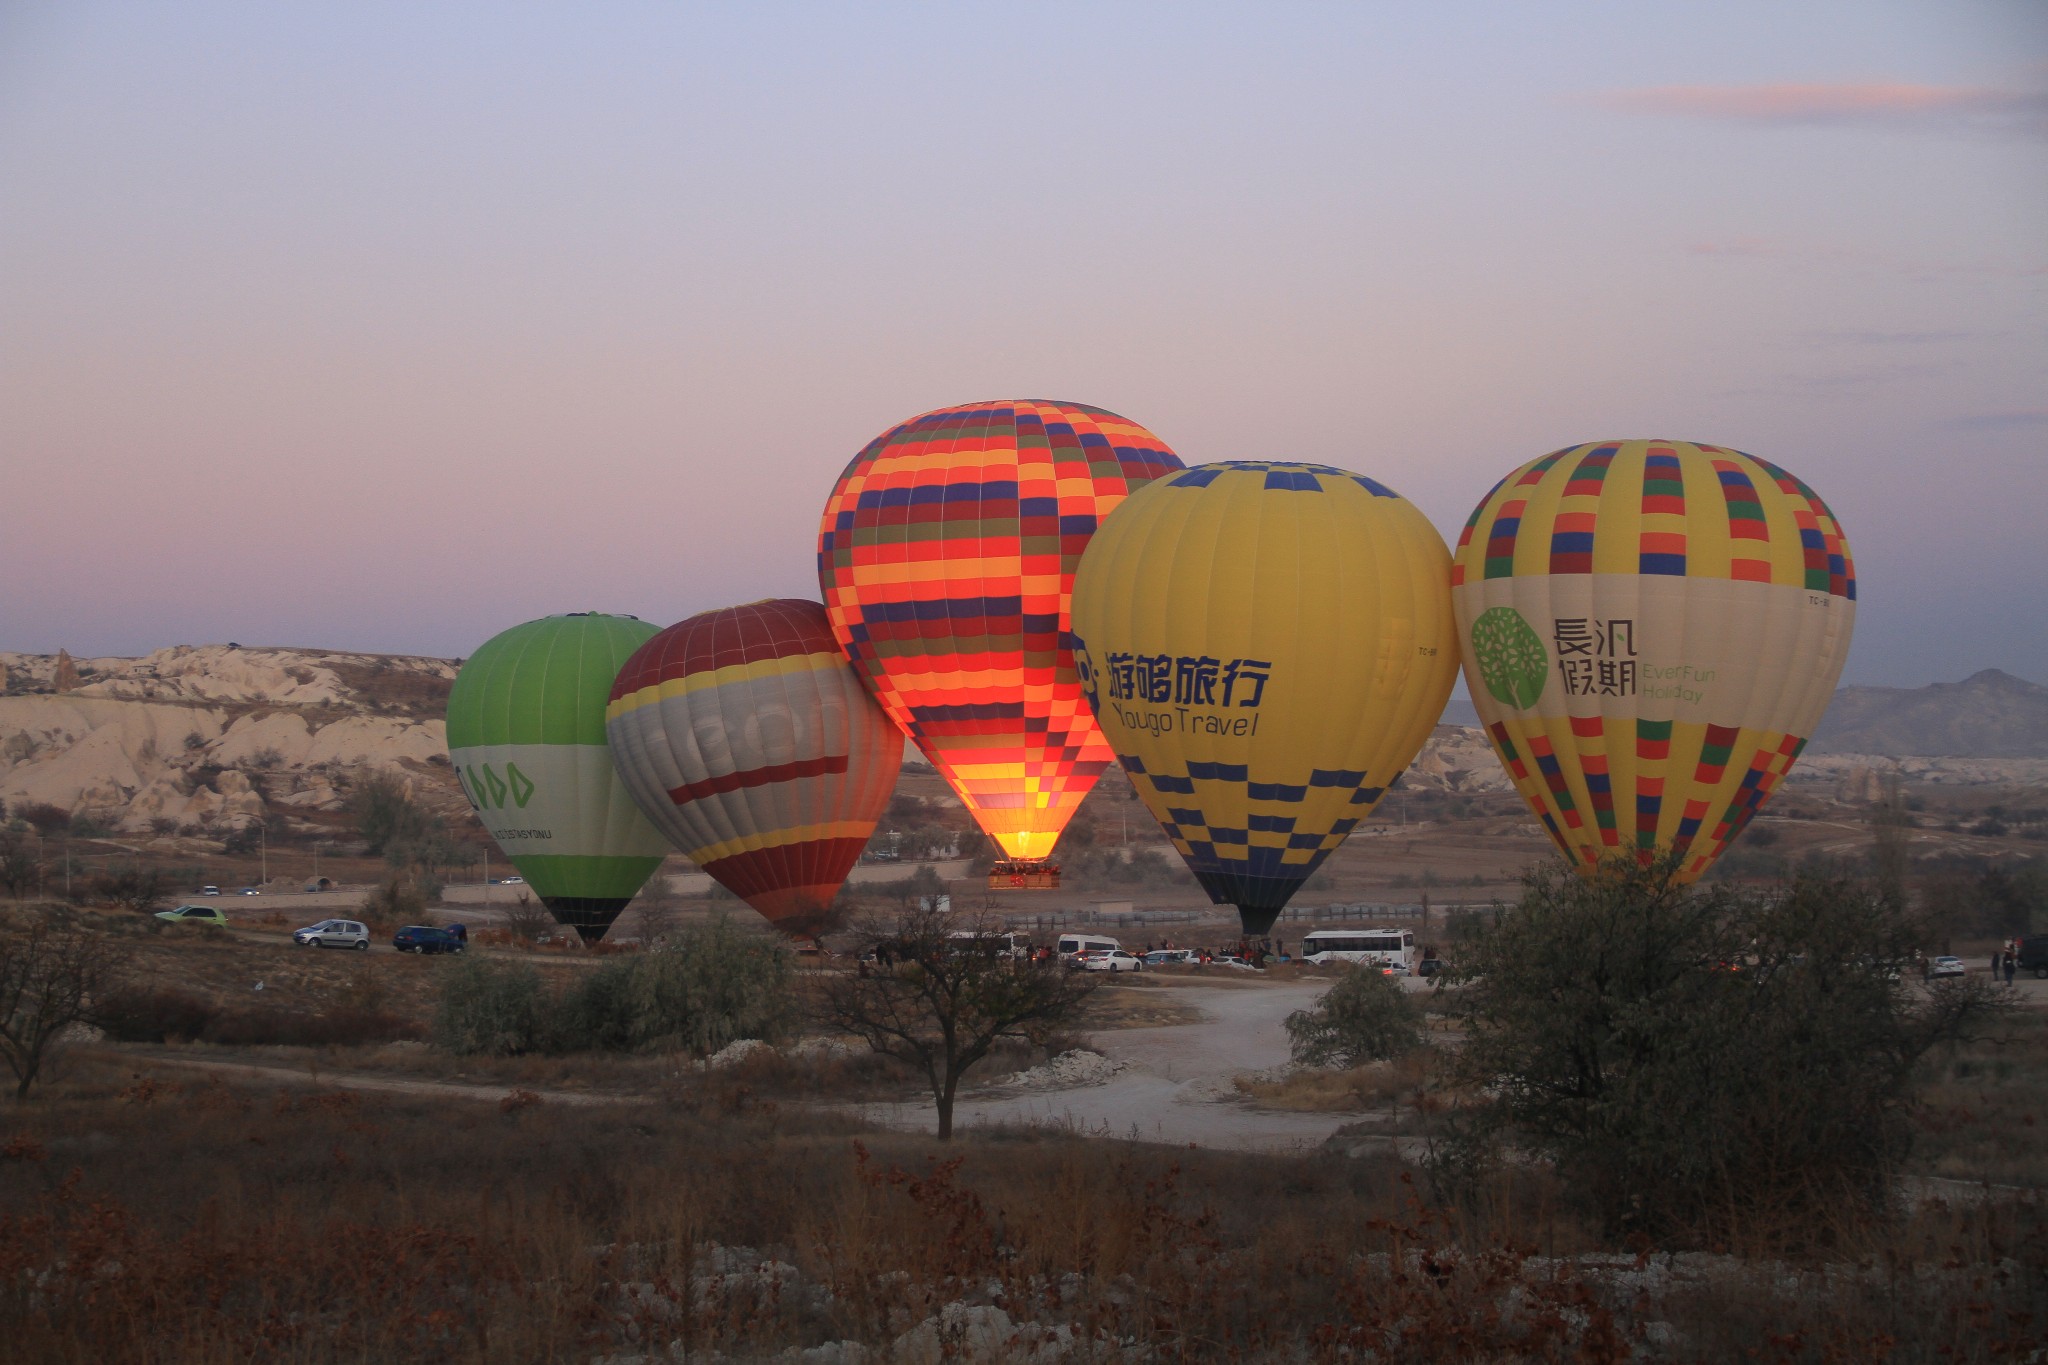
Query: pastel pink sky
(387, 326)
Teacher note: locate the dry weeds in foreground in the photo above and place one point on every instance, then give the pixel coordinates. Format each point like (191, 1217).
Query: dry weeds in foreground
(147, 1220)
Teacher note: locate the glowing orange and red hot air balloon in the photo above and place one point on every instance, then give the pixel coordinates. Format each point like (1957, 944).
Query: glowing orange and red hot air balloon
(947, 555)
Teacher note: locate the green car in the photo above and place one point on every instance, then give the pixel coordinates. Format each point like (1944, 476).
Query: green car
(194, 914)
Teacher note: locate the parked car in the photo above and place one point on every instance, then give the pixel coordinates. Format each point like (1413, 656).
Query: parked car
(511, 881)
(1429, 966)
(1108, 960)
(209, 891)
(194, 914)
(1945, 966)
(334, 933)
(2032, 955)
(425, 938)
(1169, 957)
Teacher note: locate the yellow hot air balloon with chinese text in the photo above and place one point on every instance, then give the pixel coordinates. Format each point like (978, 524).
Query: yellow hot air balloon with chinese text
(1266, 646)
(1652, 629)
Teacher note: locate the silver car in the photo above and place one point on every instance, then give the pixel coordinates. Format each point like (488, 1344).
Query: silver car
(334, 933)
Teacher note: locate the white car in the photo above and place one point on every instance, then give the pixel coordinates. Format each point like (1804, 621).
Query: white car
(334, 933)
(1945, 966)
(1112, 960)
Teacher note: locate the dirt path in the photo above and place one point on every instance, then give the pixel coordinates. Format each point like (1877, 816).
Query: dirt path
(352, 1080)
(1176, 1085)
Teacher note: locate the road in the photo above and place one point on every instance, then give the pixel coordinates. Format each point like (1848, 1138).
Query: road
(1176, 1085)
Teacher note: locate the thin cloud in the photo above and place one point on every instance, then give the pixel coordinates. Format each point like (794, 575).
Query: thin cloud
(1865, 338)
(1742, 248)
(1890, 105)
(2002, 421)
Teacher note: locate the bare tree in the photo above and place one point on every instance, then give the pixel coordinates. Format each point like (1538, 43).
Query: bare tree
(942, 991)
(528, 922)
(50, 975)
(131, 887)
(20, 868)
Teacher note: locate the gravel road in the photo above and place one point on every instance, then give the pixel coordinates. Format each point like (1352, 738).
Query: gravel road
(1176, 1086)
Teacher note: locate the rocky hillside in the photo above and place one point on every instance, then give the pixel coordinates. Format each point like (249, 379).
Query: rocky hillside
(197, 739)
(200, 740)
(1990, 714)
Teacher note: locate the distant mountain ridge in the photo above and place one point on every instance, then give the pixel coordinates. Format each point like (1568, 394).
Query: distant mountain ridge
(1990, 714)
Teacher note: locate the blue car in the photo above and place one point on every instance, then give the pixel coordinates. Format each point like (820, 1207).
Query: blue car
(422, 938)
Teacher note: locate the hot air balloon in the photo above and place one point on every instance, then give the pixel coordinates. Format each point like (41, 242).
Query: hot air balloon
(947, 555)
(1267, 646)
(749, 741)
(526, 737)
(1655, 628)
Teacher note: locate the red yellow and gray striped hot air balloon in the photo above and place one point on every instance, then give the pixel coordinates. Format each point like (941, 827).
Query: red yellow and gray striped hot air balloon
(1652, 629)
(746, 738)
(947, 555)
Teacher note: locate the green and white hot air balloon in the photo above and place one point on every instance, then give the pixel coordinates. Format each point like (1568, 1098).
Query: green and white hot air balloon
(526, 735)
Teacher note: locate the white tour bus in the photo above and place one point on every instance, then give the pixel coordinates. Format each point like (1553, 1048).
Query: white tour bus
(1387, 947)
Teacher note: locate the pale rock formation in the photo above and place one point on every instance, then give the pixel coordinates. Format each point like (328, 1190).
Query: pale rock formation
(67, 672)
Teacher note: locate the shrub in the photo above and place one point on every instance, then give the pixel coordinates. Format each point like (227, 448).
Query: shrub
(335, 1026)
(711, 985)
(146, 1014)
(1706, 1063)
(397, 900)
(708, 986)
(490, 1007)
(597, 1013)
(1364, 1017)
(130, 887)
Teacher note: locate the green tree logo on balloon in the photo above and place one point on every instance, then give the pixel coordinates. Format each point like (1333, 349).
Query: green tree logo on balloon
(1512, 662)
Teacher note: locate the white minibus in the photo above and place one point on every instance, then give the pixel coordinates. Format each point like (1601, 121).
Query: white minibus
(1086, 943)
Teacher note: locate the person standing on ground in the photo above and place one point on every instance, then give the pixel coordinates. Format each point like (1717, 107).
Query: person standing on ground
(2012, 964)
(1997, 965)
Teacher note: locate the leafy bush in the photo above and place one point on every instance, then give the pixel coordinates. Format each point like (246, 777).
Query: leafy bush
(597, 1013)
(397, 900)
(708, 986)
(1706, 1063)
(492, 1007)
(143, 1014)
(1364, 1017)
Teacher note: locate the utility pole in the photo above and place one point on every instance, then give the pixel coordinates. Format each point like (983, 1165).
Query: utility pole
(263, 849)
(487, 874)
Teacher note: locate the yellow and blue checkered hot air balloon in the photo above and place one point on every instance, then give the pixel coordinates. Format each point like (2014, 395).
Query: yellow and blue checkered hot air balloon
(1652, 630)
(1266, 647)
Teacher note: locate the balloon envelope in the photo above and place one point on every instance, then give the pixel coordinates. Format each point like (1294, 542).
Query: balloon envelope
(749, 741)
(1653, 629)
(947, 555)
(526, 737)
(1267, 647)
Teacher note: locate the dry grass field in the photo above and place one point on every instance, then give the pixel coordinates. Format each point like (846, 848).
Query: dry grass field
(146, 1217)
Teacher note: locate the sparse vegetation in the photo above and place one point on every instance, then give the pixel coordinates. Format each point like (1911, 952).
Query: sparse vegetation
(50, 973)
(131, 886)
(708, 986)
(1365, 1017)
(1706, 1065)
(940, 1006)
(20, 868)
